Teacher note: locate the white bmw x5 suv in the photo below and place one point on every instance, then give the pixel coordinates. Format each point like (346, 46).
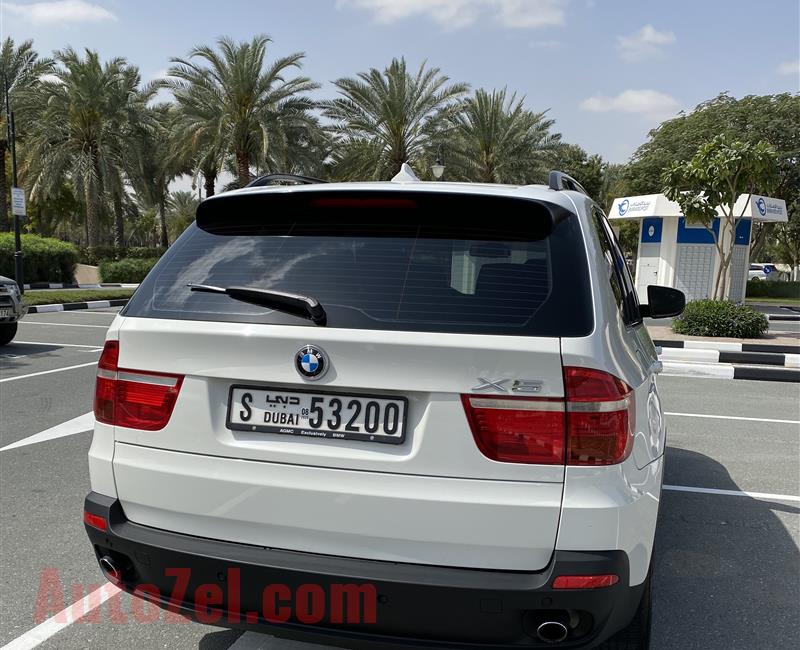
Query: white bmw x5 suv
(387, 415)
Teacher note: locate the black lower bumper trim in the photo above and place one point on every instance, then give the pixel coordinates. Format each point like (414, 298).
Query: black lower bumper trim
(358, 603)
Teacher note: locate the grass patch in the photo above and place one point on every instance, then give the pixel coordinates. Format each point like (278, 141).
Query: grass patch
(791, 302)
(60, 296)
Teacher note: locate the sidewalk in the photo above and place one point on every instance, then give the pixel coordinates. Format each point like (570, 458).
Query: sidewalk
(665, 333)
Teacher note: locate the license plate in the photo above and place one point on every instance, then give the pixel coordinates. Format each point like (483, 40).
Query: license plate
(6, 313)
(373, 418)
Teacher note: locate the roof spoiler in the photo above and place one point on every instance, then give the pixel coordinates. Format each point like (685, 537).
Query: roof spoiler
(242, 212)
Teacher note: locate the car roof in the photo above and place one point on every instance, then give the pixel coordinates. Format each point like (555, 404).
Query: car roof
(535, 192)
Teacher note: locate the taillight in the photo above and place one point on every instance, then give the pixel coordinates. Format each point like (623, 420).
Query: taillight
(592, 426)
(517, 429)
(600, 417)
(135, 399)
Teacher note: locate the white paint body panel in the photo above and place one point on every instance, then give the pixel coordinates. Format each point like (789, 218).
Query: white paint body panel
(393, 517)
(434, 499)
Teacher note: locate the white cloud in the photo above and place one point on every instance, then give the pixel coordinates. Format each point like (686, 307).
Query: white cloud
(789, 68)
(454, 14)
(60, 12)
(644, 44)
(650, 103)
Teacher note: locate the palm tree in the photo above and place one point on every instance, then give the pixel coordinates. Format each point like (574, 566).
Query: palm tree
(152, 165)
(181, 208)
(20, 71)
(497, 140)
(235, 103)
(386, 118)
(82, 131)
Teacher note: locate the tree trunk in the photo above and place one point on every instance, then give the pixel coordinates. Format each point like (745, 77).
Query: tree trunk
(243, 167)
(162, 223)
(5, 223)
(92, 225)
(208, 182)
(119, 224)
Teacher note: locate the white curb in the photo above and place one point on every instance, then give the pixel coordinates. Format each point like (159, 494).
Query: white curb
(684, 354)
(716, 370)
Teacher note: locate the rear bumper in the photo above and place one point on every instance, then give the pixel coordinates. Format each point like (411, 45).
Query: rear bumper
(395, 605)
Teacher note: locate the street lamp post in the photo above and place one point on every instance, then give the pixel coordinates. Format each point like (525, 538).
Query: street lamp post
(438, 167)
(12, 142)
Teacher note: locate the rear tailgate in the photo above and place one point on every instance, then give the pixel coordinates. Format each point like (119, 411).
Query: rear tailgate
(435, 498)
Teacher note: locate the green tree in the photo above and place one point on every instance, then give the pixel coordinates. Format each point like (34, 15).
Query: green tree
(80, 131)
(235, 103)
(20, 68)
(152, 166)
(714, 178)
(383, 119)
(588, 170)
(181, 208)
(771, 118)
(495, 139)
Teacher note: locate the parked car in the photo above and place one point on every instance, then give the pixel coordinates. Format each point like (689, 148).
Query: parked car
(763, 272)
(428, 409)
(12, 309)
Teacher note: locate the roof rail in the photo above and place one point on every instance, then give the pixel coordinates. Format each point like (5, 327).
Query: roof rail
(561, 181)
(267, 179)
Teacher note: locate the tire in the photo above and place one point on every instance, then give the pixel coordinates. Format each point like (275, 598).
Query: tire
(7, 332)
(637, 635)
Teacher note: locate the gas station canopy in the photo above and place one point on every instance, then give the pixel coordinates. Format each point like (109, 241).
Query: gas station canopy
(675, 253)
(754, 206)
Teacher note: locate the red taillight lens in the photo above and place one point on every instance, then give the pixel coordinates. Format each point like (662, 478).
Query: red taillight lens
(105, 383)
(517, 429)
(592, 426)
(600, 417)
(95, 521)
(133, 398)
(585, 582)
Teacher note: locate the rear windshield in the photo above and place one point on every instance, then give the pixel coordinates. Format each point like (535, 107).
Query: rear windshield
(510, 272)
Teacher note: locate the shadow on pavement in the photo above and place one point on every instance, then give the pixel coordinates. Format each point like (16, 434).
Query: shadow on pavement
(17, 357)
(727, 568)
(219, 640)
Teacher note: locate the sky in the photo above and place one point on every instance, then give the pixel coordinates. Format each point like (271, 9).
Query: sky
(607, 71)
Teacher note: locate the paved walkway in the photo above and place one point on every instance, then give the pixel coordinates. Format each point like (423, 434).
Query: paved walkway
(665, 333)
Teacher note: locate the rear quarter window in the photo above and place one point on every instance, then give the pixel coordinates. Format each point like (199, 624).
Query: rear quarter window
(410, 265)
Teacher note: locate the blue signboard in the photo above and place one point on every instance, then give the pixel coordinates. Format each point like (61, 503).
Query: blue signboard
(696, 233)
(651, 230)
(743, 232)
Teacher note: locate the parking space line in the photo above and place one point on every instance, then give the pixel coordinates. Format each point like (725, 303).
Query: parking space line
(80, 424)
(48, 372)
(64, 618)
(733, 493)
(33, 322)
(731, 417)
(61, 345)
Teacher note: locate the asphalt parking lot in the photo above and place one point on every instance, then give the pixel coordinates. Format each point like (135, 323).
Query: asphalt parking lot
(727, 564)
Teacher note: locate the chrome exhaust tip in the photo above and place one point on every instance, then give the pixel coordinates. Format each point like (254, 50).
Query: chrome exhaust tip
(552, 632)
(110, 569)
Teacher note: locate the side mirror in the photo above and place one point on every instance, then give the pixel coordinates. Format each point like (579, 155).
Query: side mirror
(663, 302)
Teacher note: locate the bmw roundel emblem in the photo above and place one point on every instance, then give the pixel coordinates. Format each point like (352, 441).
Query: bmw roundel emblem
(311, 362)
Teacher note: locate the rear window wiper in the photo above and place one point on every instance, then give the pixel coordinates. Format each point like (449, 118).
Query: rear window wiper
(291, 303)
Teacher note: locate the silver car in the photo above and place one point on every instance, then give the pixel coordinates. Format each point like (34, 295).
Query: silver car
(11, 309)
